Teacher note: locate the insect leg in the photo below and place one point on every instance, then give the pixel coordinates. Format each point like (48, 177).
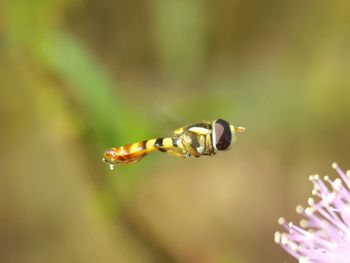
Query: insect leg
(190, 149)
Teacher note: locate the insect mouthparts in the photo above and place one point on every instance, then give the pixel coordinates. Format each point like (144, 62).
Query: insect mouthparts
(240, 129)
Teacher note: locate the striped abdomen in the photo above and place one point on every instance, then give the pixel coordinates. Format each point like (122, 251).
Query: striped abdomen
(134, 152)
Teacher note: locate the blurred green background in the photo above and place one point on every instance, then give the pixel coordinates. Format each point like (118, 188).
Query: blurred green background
(78, 77)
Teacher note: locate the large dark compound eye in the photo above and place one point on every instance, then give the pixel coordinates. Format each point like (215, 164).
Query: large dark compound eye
(222, 135)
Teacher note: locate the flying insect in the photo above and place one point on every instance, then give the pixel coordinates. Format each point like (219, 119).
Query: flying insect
(195, 140)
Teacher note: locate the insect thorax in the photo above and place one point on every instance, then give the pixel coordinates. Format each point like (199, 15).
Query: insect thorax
(196, 140)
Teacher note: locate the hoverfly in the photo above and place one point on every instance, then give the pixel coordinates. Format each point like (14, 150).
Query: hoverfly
(204, 138)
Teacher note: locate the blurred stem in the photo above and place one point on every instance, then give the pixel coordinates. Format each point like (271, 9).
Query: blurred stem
(106, 114)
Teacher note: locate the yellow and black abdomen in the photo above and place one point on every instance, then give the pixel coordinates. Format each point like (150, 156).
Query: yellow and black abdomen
(136, 151)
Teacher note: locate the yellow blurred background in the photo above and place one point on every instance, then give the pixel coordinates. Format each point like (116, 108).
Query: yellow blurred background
(79, 77)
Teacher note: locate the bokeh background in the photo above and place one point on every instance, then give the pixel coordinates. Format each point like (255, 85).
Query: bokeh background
(78, 77)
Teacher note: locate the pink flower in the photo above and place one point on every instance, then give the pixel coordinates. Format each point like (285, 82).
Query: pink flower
(324, 234)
